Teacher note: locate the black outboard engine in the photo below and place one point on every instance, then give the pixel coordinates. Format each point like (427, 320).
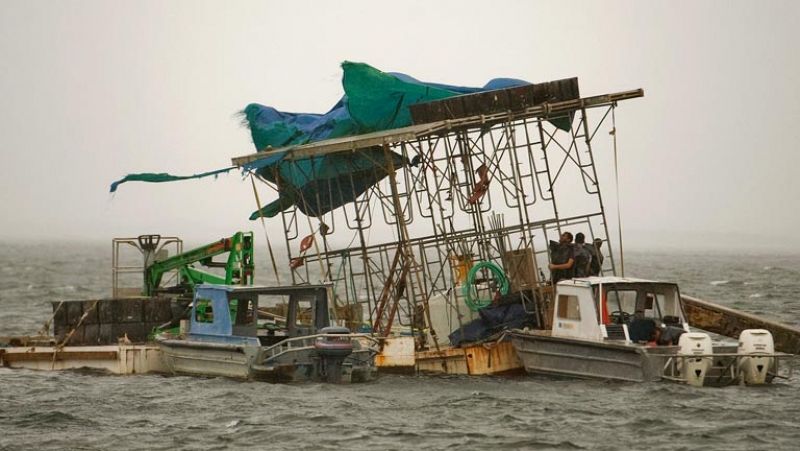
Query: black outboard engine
(332, 351)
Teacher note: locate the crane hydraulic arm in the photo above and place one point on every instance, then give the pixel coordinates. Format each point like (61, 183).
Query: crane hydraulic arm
(239, 266)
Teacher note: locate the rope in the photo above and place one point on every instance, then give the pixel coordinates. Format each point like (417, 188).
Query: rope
(45, 330)
(470, 293)
(264, 226)
(613, 133)
(60, 346)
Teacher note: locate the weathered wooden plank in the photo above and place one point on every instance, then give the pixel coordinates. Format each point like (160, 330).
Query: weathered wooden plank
(514, 99)
(39, 356)
(729, 322)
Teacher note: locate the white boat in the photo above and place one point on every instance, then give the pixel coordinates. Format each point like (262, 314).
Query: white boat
(636, 330)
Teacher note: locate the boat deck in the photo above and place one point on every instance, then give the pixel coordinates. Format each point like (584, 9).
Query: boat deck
(114, 359)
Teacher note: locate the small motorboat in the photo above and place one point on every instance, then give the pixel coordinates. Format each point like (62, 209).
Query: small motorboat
(225, 337)
(636, 330)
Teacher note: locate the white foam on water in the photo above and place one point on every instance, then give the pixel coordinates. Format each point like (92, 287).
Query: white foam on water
(720, 282)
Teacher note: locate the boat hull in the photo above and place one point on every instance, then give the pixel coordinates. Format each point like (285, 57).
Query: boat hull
(567, 357)
(198, 358)
(205, 359)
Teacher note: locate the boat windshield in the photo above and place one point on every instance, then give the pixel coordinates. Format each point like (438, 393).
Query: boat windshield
(623, 302)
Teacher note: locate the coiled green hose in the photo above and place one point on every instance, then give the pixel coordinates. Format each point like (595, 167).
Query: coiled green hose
(470, 293)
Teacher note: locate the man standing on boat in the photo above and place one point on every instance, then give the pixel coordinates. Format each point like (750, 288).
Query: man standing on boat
(597, 257)
(562, 256)
(583, 256)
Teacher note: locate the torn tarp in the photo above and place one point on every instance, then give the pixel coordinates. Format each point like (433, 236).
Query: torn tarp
(318, 185)
(373, 101)
(164, 177)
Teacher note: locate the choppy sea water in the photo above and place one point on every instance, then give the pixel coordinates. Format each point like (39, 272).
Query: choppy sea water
(85, 411)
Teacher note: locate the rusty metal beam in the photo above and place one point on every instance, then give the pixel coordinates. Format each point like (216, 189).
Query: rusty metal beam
(730, 323)
(348, 143)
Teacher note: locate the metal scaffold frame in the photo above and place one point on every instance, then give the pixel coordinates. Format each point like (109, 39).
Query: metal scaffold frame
(479, 188)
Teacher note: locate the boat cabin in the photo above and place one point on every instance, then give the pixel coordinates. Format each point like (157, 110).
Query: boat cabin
(230, 314)
(614, 308)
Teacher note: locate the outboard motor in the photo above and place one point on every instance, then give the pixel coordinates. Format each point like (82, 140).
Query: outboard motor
(694, 369)
(754, 363)
(332, 351)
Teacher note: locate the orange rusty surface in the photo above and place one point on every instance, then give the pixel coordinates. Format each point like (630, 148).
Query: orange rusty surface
(443, 361)
(495, 358)
(388, 361)
(478, 360)
(442, 353)
(396, 353)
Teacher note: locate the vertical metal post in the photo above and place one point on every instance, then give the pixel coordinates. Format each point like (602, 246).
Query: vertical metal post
(408, 255)
(588, 139)
(543, 145)
(365, 262)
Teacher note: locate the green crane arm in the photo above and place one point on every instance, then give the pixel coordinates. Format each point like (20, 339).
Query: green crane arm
(239, 267)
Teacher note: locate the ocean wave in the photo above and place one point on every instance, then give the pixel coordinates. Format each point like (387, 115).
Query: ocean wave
(732, 282)
(55, 419)
(233, 424)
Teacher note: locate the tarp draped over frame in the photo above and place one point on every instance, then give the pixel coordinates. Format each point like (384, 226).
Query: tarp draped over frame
(373, 101)
(318, 185)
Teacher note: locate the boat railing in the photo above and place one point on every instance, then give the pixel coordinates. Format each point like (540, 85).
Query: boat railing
(307, 342)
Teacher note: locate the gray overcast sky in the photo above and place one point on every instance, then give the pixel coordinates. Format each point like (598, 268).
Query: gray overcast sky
(93, 90)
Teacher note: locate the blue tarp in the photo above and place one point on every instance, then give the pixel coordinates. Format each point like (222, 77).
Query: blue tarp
(368, 92)
(373, 101)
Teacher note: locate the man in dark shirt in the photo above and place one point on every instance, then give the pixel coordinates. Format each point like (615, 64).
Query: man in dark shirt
(597, 256)
(583, 256)
(562, 256)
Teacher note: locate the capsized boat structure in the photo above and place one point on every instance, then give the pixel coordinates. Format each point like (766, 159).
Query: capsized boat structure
(225, 338)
